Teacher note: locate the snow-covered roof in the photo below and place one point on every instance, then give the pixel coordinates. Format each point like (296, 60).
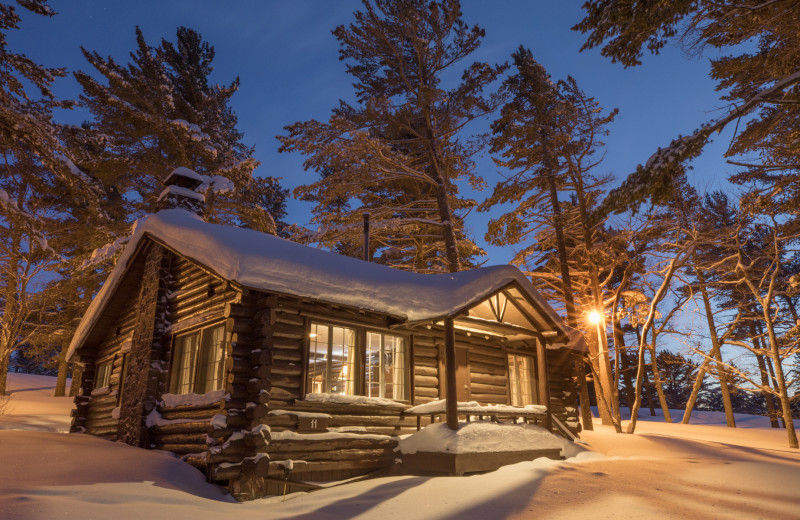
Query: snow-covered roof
(264, 262)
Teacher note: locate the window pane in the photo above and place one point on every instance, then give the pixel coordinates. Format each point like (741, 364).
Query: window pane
(373, 368)
(386, 367)
(318, 359)
(342, 361)
(394, 363)
(209, 364)
(522, 380)
(183, 365)
(103, 376)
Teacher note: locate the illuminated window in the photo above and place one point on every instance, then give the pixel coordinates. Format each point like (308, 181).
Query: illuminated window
(198, 361)
(103, 377)
(522, 380)
(332, 360)
(386, 367)
(351, 361)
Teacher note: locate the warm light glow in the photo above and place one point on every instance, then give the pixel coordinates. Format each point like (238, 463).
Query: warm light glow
(594, 317)
(312, 335)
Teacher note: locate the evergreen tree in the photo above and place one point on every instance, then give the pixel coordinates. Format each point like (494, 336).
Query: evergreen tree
(161, 111)
(761, 84)
(399, 153)
(547, 135)
(38, 187)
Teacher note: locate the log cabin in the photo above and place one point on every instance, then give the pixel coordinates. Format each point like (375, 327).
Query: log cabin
(244, 353)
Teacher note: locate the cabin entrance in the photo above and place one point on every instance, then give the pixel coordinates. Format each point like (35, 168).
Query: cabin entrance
(462, 374)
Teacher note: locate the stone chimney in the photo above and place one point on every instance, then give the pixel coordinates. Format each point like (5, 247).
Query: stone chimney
(179, 191)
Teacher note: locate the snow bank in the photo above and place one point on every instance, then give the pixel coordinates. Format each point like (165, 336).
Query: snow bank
(473, 408)
(352, 399)
(479, 437)
(31, 405)
(209, 398)
(265, 262)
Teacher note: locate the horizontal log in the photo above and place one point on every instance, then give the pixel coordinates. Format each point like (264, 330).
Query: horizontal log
(488, 360)
(189, 427)
(478, 388)
(178, 448)
(285, 381)
(421, 370)
(182, 438)
(337, 455)
(489, 398)
(98, 424)
(487, 379)
(426, 381)
(236, 326)
(291, 356)
(226, 472)
(284, 394)
(287, 370)
(200, 413)
(336, 466)
(482, 368)
(215, 407)
(423, 391)
(344, 443)
(425, 351)
(293, 320)
(368, 420)
(237, 310)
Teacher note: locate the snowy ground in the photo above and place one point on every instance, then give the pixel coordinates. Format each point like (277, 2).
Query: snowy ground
(664, 471)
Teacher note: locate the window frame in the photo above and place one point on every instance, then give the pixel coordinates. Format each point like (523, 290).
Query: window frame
(360, 347)
(103, 370)
(533, 374)
(199, 330)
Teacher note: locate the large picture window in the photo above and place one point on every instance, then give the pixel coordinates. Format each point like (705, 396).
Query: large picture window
(386, 367)
(522, 380)
(350, 361)
(198, 361)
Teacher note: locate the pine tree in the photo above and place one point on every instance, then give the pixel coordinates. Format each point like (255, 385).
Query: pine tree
(161, 111)
(38, 187)
(760, 84)
(547, 135)
(399, 153)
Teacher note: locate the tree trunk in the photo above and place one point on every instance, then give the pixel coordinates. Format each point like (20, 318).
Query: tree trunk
(786, 405)
(716, 352)
(4, 372)
(770, 369)
(625, 371)
(762, 370)
(662, 399)
(63, 368)
(698, 382)
(583, 393)
(648, 387)
(77, 375)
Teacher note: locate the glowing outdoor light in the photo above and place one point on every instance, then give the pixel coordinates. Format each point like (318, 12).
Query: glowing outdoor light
(594, 317)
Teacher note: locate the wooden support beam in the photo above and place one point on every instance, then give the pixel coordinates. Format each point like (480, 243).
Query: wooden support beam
(450, 371)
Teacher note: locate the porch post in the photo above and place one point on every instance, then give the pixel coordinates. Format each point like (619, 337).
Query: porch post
(544, 383)
(451, 397)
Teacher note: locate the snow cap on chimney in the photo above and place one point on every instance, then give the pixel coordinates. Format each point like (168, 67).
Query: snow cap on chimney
(179, 191)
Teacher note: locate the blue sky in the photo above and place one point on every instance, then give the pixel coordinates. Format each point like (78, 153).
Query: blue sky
(286, 58)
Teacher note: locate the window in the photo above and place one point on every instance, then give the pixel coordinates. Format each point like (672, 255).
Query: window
(103, 377)
(332, 360)
(351, 361)
(386, 367)
(522, 380)
(197, 364)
